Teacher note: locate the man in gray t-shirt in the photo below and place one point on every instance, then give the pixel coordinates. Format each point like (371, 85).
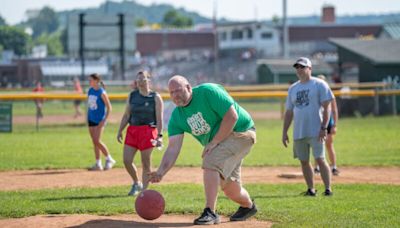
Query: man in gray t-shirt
(308, 104)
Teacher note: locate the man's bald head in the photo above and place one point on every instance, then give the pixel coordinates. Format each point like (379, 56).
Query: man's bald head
(180, 90)
(178, 80)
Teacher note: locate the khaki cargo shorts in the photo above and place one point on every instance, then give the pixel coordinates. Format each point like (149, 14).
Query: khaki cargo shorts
(226, 158)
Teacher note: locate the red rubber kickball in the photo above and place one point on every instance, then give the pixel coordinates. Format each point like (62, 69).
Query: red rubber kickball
(149, 204)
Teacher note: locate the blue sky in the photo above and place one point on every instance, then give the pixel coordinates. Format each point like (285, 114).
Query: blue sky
(14, 10)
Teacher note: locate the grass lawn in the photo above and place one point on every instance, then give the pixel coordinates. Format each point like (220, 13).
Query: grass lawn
(360, 142)
(361, 205)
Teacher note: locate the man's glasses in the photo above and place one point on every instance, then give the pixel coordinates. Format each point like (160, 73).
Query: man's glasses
(298, 66)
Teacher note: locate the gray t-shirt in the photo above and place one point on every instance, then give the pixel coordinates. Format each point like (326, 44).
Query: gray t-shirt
(305, 100)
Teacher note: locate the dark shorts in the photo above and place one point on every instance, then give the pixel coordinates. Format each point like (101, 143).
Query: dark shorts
(92, 124)
(140, 137)
(328, 128)
(77, 102)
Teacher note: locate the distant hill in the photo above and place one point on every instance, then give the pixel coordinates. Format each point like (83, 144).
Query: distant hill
(152, 14)
(155, 12)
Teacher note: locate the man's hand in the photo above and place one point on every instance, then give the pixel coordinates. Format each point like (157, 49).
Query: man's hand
(322, 135)
(157, 142)
(119, 137)
(208, 149)
(285, 139)
(155, 177)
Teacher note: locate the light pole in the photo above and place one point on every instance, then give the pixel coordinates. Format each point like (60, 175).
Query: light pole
(285, 46)
(216, 46)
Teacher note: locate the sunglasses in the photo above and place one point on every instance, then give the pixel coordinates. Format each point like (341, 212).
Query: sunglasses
(298, 66)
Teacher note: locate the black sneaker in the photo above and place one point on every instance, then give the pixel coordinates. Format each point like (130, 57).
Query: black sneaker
(207, 218)
(328, 192)
(244, 213)
(309, 192)
(335, 172)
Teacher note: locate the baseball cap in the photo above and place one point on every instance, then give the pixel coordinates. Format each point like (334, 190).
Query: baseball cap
(303, 61)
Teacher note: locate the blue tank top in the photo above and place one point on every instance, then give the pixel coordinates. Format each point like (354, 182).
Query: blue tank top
(331, 121)
(96, 106)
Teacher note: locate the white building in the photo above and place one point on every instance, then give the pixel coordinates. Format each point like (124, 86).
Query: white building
(257, 35)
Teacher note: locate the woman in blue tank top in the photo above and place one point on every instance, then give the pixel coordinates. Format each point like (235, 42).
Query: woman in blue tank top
(99, 108)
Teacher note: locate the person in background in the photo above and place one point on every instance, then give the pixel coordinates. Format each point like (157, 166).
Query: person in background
(331, 130)
(144, 114)
(39, 102)
(99, 109)
(77, 102)
(308, 103)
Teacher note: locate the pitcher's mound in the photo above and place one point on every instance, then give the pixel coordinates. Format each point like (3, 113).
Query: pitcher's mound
(291, 175)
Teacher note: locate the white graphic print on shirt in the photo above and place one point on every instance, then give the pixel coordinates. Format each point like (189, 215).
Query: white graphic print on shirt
(198, 125)
(92, 102)
(302, 99)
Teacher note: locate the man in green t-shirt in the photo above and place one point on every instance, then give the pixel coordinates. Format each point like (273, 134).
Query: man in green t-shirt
(227, 133)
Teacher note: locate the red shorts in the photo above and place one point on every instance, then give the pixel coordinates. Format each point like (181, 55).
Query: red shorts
(140, 136)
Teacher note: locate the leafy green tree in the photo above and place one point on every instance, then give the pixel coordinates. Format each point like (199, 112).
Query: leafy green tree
(2, 21)
(64, 40)
(173, 18)
(45, 22)
(276, 19)
(140, 22)
(12, 38)
(53, 43)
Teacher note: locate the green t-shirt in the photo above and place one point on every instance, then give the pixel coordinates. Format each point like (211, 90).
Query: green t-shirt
(203, 115)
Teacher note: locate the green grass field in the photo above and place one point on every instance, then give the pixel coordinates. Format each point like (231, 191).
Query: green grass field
(360, 142)
(370, 141)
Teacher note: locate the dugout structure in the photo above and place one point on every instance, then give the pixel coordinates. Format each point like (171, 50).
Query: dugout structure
(374, 60)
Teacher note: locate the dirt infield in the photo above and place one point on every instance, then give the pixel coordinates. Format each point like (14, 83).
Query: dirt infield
(45, 179)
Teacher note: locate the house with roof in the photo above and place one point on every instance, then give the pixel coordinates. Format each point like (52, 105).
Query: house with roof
(260, 36)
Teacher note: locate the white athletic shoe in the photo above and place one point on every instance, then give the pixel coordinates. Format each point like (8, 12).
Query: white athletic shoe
(109, 164)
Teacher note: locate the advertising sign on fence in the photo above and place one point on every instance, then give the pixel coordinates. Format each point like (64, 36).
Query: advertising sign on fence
(5, 117)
